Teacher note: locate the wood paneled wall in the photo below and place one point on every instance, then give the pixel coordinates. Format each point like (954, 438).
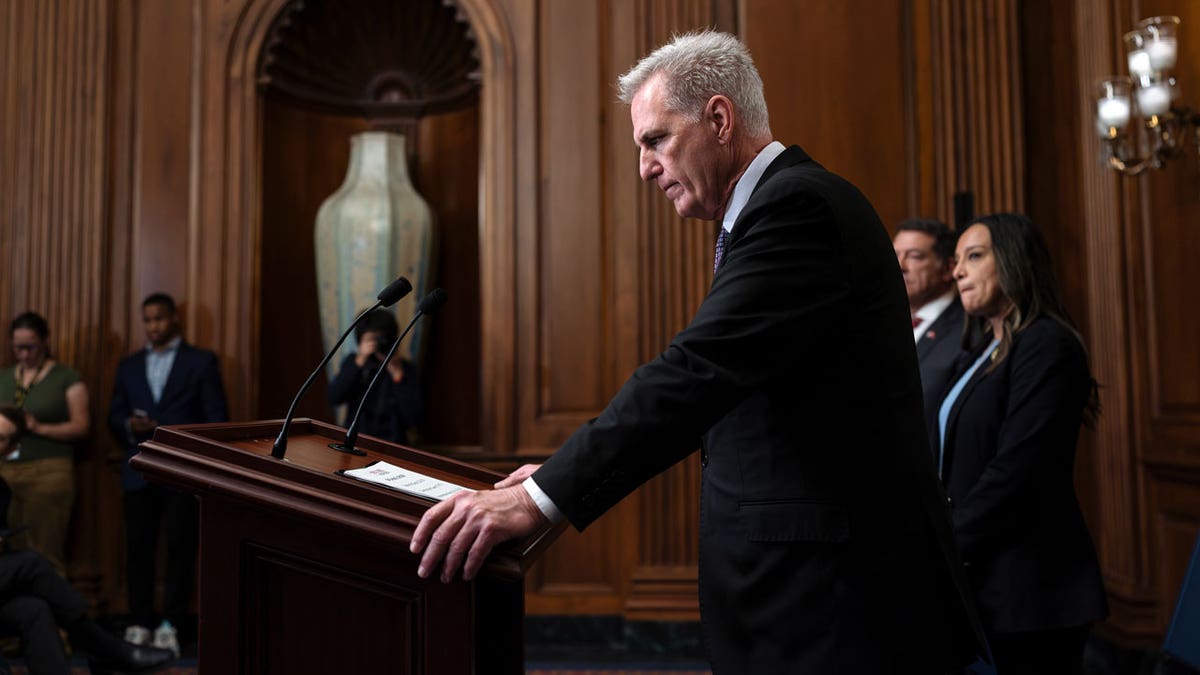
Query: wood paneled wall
(55, 229)
(139, 156)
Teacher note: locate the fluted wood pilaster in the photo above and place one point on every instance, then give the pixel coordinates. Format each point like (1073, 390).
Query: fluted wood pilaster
(54, 224)
(676, 257)
(976, 88)
(1109, 332)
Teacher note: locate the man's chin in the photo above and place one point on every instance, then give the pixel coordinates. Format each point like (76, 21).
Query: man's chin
(694, 211)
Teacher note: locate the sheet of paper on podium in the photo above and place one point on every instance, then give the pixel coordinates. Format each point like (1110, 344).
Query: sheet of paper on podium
(405, 480)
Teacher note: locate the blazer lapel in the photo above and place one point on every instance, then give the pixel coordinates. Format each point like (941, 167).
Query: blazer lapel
(965, 394)
(140, 384)
(175, 378)
(946, 323)
(791, 156)
(926, 343)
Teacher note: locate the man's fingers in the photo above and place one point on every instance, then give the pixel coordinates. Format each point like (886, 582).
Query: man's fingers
(458, 534)
(463, 542)
(429, 524)
(518, 476)
(479, 552)
(439, 542)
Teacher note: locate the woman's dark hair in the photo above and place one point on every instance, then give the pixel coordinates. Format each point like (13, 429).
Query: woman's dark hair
(381, 321)
(1027, 280)
(33, 321)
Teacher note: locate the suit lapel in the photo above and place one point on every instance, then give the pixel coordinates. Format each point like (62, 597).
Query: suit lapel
(140, 382)
(175, 378)
(936, 331)
(926, 343)
(791, 156)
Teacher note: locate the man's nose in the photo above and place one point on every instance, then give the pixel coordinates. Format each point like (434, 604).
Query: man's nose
(648, 168)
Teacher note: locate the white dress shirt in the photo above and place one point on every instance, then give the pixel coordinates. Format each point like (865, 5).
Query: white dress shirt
(930, 311)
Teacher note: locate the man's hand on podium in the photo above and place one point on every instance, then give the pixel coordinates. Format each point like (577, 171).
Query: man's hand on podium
(461, 531)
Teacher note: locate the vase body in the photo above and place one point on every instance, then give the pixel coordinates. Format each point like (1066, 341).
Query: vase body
(373, 229)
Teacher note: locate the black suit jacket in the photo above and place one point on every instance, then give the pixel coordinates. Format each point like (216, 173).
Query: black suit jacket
(825, 542)
(192, 395)
(1009, 470)
(938, 350)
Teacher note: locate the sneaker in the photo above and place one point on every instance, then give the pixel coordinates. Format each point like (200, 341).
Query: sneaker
(166, 637)
(137, 635)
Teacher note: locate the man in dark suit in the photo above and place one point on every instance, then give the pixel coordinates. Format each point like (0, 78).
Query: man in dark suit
(167, 382)
(925, 249)
(825, 543)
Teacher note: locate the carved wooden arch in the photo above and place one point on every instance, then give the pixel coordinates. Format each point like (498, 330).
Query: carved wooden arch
(228, 148)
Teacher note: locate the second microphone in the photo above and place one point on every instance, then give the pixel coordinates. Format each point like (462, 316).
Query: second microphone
(396, 403)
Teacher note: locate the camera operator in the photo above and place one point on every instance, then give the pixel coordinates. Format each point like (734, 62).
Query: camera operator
(394, 406)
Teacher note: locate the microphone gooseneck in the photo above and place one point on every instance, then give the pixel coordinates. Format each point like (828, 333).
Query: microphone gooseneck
(386, 298)
(429, 305)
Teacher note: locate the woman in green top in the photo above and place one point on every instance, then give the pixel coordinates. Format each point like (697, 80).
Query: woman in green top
(41, 471)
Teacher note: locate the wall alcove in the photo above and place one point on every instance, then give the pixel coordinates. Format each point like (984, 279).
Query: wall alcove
(326, 71)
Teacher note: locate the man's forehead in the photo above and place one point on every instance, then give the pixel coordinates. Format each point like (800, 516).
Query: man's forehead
(913, 240)
(647, 107)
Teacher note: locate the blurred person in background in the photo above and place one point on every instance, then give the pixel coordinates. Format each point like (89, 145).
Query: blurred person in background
(41, 472)
(925, 250)
(394, 406)
(35, 601)
(168, 381)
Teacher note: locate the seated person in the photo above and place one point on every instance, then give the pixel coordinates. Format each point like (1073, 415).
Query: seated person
(35, 601)
(395, 403)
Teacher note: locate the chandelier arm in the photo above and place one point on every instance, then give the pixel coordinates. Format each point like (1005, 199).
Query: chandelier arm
(1124, 165)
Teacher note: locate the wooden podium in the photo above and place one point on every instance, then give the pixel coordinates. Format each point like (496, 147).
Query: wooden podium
(306, 571)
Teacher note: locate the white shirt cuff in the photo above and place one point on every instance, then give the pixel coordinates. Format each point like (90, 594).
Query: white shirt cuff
(543, 501)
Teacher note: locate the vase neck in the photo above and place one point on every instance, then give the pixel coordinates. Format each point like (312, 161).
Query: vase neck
(377, 155)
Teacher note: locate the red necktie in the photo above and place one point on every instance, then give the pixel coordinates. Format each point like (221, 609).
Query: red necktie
(916, 321)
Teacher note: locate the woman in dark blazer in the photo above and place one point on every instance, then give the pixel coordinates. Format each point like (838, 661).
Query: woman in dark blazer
(1006, 435)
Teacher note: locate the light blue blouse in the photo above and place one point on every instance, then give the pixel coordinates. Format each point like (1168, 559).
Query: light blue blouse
(948, 402)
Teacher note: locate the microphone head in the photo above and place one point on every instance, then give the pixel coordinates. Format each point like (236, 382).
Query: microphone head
(391, 294)
(432, 302)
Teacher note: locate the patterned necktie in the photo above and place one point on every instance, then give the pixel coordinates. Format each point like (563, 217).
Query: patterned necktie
(721, 239)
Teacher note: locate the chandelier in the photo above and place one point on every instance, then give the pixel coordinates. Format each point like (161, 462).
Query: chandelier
(1150, 94)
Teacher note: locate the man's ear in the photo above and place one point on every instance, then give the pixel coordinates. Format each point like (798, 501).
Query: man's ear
(718, 114)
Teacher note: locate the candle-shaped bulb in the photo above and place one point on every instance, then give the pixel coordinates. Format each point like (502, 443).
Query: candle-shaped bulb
(1161, 53)
(1154, 99)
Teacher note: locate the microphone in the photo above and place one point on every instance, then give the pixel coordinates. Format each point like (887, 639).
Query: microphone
(389, 296)
(430, 304)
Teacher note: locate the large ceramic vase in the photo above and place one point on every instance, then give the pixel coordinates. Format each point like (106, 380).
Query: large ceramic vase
(373, 229)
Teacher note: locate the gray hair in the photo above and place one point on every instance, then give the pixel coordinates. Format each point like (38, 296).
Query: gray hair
(698, 66)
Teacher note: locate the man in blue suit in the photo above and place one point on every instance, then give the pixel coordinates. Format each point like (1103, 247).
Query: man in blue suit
(167, 382)
(925, 250)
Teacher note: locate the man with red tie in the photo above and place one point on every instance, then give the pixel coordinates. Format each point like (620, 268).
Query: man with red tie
(925, 250)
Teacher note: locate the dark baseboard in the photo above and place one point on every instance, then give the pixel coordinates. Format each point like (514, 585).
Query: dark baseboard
(599, 639)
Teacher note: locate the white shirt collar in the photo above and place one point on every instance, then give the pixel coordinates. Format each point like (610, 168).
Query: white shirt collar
(929, 313)
(934, 308)
(171, 346)
(748, 181)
